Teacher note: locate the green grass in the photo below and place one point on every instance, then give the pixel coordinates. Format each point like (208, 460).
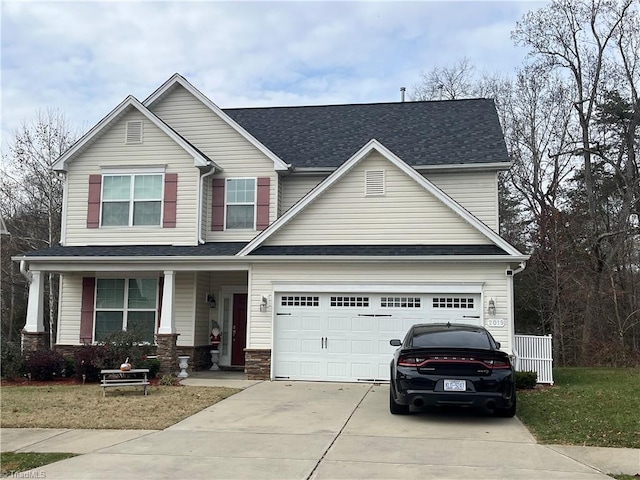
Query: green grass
(19, 462)
(586, 406)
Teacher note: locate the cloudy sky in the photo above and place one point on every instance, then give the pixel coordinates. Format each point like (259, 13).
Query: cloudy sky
(83, 58)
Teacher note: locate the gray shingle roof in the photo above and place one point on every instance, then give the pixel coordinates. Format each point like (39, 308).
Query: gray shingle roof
(214, 249)
(379, 250)
(421, 133)
(221, 249)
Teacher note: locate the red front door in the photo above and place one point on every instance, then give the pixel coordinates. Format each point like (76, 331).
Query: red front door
(239, 334)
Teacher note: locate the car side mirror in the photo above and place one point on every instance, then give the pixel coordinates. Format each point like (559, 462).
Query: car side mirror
(498, 344)
(395, 342)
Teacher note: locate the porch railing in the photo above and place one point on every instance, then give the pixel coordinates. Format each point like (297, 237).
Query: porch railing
(535, 353)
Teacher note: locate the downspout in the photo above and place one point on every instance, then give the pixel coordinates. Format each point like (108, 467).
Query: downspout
(23, 270)
(200, 203)
(520, 268)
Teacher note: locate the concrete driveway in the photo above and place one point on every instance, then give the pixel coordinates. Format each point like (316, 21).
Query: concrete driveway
(303, 430)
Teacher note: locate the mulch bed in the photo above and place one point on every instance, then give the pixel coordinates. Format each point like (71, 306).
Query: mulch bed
(24, 382)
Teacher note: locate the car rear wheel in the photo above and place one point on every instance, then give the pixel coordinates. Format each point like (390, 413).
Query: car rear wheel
(394, 407)
(506, 412)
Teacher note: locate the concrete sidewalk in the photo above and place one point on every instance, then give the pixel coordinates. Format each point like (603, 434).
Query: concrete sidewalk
(303, 430)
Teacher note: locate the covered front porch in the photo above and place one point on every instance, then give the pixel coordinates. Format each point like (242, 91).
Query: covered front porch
(173, 303)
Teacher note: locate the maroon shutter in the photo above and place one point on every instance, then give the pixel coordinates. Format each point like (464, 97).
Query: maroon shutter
(160, 290)
(217, 204)
(86, 310)
(262, 205)
(170, 198)
(93, 206)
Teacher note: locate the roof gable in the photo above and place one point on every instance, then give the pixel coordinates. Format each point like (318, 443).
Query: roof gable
(177, 79)
(199, 159)
(373, 145)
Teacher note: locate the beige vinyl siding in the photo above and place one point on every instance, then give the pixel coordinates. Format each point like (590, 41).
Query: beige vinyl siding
(185, 307)
(224, 145)
(264, 276)
(70, 309)
(294, 187)
(406, 214)
(201, 327)
(475, 191)
(111, 151)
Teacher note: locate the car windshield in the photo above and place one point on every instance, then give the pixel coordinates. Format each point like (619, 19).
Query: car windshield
(450, 338)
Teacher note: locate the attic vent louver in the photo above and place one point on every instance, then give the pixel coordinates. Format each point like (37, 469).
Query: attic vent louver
(374, 183)
(134, 132)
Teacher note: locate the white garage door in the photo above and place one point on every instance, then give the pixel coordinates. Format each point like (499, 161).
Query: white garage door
(344, 337)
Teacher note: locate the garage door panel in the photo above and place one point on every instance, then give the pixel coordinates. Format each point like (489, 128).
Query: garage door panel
(337, 370)
(311, 345)
(311, 324)
(389, 325)
(337, 346)
(337, 324)
(363, 325)
(362, 371)
(311, 370)
(362, 347)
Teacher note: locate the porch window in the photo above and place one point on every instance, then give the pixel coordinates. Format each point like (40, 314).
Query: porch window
(240, 203)
(129, 200)
(126, 304)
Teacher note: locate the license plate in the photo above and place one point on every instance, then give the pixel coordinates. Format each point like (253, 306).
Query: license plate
(455, 385)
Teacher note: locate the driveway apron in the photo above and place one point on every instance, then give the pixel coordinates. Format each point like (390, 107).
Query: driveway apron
(303, 430)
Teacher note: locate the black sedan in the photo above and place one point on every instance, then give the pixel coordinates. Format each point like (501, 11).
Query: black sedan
(448, 364)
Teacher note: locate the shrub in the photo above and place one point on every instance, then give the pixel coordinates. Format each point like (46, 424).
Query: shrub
(152, 364)
(69, 367)
(89, 360)
(122, 345)
(526, 380)
(44, 364)
(169, 380)
(12, 364)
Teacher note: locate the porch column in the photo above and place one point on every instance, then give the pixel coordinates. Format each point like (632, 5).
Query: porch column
(167, 319)
(33, 332)
(167, 338)
(35, 306)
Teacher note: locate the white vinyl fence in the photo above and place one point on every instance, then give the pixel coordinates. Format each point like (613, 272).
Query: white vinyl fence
(535, 354)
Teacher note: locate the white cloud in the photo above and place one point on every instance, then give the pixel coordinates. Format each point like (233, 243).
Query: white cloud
(85, 57)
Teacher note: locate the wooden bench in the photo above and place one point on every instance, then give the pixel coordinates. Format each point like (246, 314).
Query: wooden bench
(128, 378)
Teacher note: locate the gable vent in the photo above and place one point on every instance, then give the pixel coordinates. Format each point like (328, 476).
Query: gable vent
(374, 183)
(134, 132)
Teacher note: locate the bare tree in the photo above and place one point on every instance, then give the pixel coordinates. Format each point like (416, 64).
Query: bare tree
(450, 82)
(32, 201)
(594, 45)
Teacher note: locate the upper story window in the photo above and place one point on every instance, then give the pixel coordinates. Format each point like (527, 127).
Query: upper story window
(134, 199)
(240, 203)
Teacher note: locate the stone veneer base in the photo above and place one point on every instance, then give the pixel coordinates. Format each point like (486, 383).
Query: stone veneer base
(257, 364)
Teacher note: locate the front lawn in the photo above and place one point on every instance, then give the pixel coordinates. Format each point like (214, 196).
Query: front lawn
(12, 463)
(586, 406)
(83, 406)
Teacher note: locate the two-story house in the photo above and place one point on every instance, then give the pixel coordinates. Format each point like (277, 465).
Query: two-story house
(310, 236)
